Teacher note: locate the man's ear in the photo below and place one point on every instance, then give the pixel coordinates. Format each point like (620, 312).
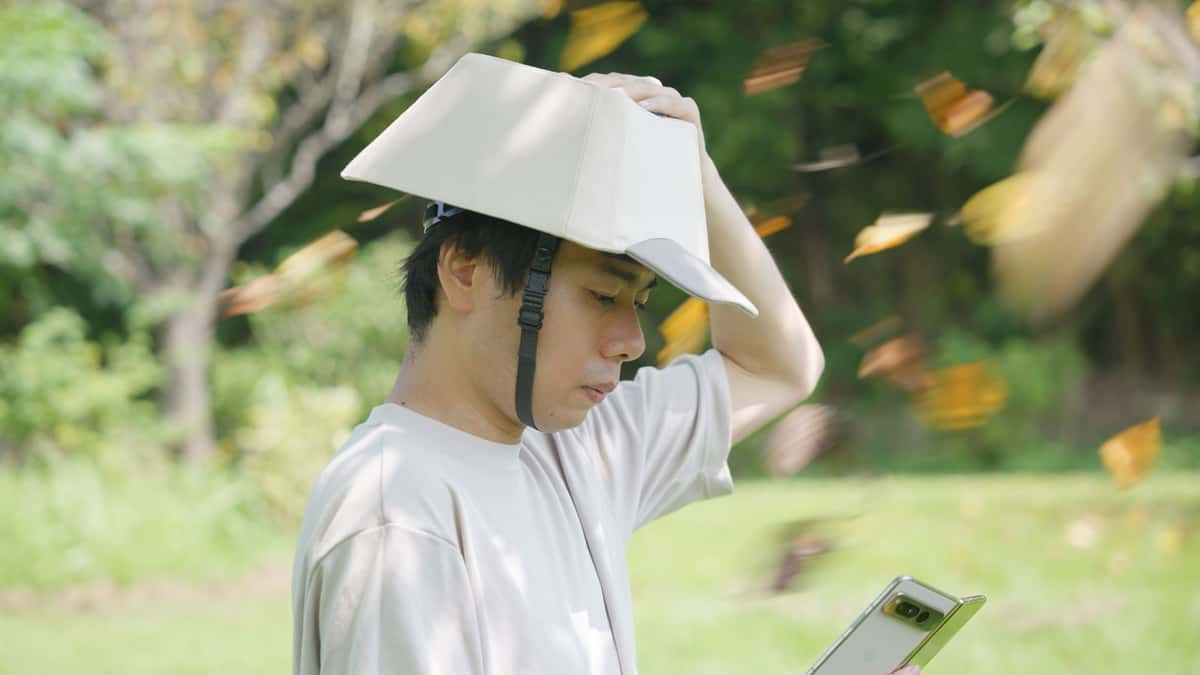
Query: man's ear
(459, 277)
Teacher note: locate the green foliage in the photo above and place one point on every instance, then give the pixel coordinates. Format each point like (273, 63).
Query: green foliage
(79, 194)
(311, 372)
(73, 521)
(291, 433)
(47, 48)
(62, 394)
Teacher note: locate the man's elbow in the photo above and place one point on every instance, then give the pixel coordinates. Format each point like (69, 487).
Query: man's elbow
(809, 373)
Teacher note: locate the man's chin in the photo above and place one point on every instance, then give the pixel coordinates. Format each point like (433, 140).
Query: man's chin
(565, 420)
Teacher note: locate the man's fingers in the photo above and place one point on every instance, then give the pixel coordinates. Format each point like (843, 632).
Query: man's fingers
(635, 86)
(672, 106)
(650, 93)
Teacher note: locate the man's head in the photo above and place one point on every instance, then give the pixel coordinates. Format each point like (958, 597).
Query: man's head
(463, 285)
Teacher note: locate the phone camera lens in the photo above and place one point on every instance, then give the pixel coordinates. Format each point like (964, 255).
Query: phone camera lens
(907, 610)
(922, 617)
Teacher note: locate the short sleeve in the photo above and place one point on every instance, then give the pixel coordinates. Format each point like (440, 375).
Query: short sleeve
(663, 438)
(388, 600)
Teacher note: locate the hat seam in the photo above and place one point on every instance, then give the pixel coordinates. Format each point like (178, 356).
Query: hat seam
(572, 203)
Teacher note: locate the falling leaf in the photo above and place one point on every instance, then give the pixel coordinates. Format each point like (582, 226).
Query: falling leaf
(801, 543)
(869, 334)
(685, 330)
(1129, 454)
(798, 438)
(839, 156)
(779, 66)
(1069, 42)
(900, 362)
(250, 297)
(833, 157)
(954, 109)
(1000, 212)
(770, 226)
(597, 31)
(300, 278)
(1098, 162)
(887, 232)
(963, 397)
(372, 214)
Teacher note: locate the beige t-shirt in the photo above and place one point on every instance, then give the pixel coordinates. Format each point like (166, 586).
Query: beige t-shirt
(426, 550)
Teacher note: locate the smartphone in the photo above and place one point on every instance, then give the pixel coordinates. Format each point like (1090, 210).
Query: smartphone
(908, 623)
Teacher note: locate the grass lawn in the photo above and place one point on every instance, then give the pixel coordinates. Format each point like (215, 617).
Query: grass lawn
(1081, 578)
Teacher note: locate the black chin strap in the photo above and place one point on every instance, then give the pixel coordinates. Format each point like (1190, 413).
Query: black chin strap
(530, 320)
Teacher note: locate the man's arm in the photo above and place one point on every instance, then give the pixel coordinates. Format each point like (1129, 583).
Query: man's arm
(772, 361)
(387, 600)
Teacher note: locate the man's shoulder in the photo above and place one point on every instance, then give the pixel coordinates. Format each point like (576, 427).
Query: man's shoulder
(380, 476)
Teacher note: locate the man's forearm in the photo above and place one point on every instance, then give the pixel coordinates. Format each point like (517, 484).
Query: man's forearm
(779, 344)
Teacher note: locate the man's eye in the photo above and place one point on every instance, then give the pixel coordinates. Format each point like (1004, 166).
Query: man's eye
(605, 300)
(609, 300)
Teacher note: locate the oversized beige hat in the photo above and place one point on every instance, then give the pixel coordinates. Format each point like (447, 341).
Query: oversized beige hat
(574, 159)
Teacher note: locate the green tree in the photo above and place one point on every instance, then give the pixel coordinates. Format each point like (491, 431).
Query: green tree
(165, 136)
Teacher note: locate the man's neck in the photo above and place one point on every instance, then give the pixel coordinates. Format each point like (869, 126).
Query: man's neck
(436, 382)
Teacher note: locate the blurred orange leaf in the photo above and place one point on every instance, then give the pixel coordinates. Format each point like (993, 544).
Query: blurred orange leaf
(685, 330)
(372, 214)
(299, 278)
(1129, 454)
(954, 109)
(779, 66)
(1000, 212)
(887, 232)
(963, 397)
(889, 325)
(900, 362)
(597, 31)
(772, 225)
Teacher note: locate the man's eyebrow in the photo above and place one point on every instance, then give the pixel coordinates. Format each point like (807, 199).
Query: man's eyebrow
(623, 274)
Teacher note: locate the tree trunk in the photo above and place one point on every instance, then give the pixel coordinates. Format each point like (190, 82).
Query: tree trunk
(186, 350)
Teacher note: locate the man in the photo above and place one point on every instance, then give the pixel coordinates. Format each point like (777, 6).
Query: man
(477, 521)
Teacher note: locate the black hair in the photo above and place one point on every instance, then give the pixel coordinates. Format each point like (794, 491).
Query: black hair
(506, 246)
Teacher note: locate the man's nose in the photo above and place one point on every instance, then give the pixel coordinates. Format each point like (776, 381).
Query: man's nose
(625, 340)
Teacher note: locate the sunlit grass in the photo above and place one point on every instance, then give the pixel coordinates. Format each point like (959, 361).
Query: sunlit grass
(1123, 598)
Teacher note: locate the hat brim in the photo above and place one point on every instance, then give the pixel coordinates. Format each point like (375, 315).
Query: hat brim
(690, 274)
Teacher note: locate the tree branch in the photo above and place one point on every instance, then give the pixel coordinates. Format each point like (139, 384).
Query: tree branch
(257, 45)
(339, 124)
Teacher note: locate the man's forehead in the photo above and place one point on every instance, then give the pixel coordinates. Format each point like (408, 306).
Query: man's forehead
(618, 265)
(626, 269)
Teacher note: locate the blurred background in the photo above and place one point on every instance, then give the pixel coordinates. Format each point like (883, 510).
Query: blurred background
(988, 210)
